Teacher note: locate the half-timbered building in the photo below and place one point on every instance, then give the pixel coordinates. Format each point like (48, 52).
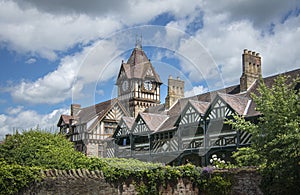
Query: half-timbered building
(136, 125)
(89, 127)
(194, 128)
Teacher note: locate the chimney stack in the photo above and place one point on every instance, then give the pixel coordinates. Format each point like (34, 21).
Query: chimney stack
(175, 91)
(75, 108)
(251, 69)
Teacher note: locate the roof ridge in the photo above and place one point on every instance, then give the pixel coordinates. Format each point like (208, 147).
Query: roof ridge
(162, 122)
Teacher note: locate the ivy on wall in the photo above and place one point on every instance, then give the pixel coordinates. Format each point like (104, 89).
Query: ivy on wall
(23, 155)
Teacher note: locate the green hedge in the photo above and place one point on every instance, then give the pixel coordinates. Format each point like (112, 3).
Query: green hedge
(14, 177)
(24, 154)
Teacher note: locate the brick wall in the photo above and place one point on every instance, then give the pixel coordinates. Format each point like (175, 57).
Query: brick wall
(81, 182)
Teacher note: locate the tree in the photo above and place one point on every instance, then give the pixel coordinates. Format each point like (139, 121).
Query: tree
(275, 138)
(42, 149)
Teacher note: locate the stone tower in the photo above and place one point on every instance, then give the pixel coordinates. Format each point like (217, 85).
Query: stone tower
(251, 69)
(175, 91)
(138, 83)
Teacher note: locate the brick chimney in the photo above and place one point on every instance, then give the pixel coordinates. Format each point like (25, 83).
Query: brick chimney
(251, 69)
(75, 108)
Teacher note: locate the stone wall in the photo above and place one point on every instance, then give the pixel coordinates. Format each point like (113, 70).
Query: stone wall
(245, 182)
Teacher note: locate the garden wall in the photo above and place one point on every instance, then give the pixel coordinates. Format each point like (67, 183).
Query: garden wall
(245, 182)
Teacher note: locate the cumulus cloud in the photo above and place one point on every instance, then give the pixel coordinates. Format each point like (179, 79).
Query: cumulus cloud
(195, 91)
(31, 31)
(228, 28)
(44, 28)
(259, 13)
(14, 110)
(19, 118)
(71, 76)
(93, 7)
(211, 53)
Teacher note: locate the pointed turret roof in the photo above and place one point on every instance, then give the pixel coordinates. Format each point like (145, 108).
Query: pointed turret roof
(139, 66)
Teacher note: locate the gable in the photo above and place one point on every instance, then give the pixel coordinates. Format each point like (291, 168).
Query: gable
(115, 113)
(122, 130)
(149, 72)
(112, 112)
(140, 126)
(219, 110)
(189, 115)
(123, 73)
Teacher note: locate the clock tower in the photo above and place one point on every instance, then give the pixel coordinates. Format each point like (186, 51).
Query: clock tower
(138, 83)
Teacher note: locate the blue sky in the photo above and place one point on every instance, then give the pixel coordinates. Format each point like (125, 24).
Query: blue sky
(54, 53)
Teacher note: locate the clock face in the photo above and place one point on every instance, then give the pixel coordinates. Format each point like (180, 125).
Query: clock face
(125, 86)
(148, 85)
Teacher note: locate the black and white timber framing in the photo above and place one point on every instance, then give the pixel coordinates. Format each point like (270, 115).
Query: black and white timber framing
(198, 130)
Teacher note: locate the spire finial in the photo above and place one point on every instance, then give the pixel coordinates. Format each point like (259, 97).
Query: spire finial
(138, 42)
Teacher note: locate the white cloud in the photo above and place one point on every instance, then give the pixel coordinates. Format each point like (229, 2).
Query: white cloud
(31, 31)
(43, 28)
(96, 63)
(14, 110)
(212, 54)
(195, 91)
(30, 61)
(25, 119)
(227, 30)
(260, 13)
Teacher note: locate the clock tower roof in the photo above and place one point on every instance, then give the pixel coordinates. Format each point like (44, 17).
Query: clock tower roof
(139, 66)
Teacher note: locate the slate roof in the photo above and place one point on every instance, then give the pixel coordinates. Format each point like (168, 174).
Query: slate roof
(93, 114)
(159, 109)
(238, 103)
(128, 121)
(97, 110)
(64, 118)
(177, 107)
(200, 106)
(269, 81)
(137, 66)
(169, 123)
(153, 121)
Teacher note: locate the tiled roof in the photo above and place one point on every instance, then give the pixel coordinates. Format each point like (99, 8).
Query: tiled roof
(64, 118)
(159, 109)
(128, 121)
(235, 91)
(137, 66)
(177, 107)
(169, 123)
(200, 106)
(153, 121)
(99, 110)
(269, 81)
(238, 103)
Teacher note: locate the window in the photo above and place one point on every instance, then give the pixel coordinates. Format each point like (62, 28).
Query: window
(109, 127)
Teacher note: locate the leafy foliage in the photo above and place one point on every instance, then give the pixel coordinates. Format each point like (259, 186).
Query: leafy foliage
(275, 138)
(40, 148)
(217, 185)
(22, 156)
(14, 177)
(247, 157)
